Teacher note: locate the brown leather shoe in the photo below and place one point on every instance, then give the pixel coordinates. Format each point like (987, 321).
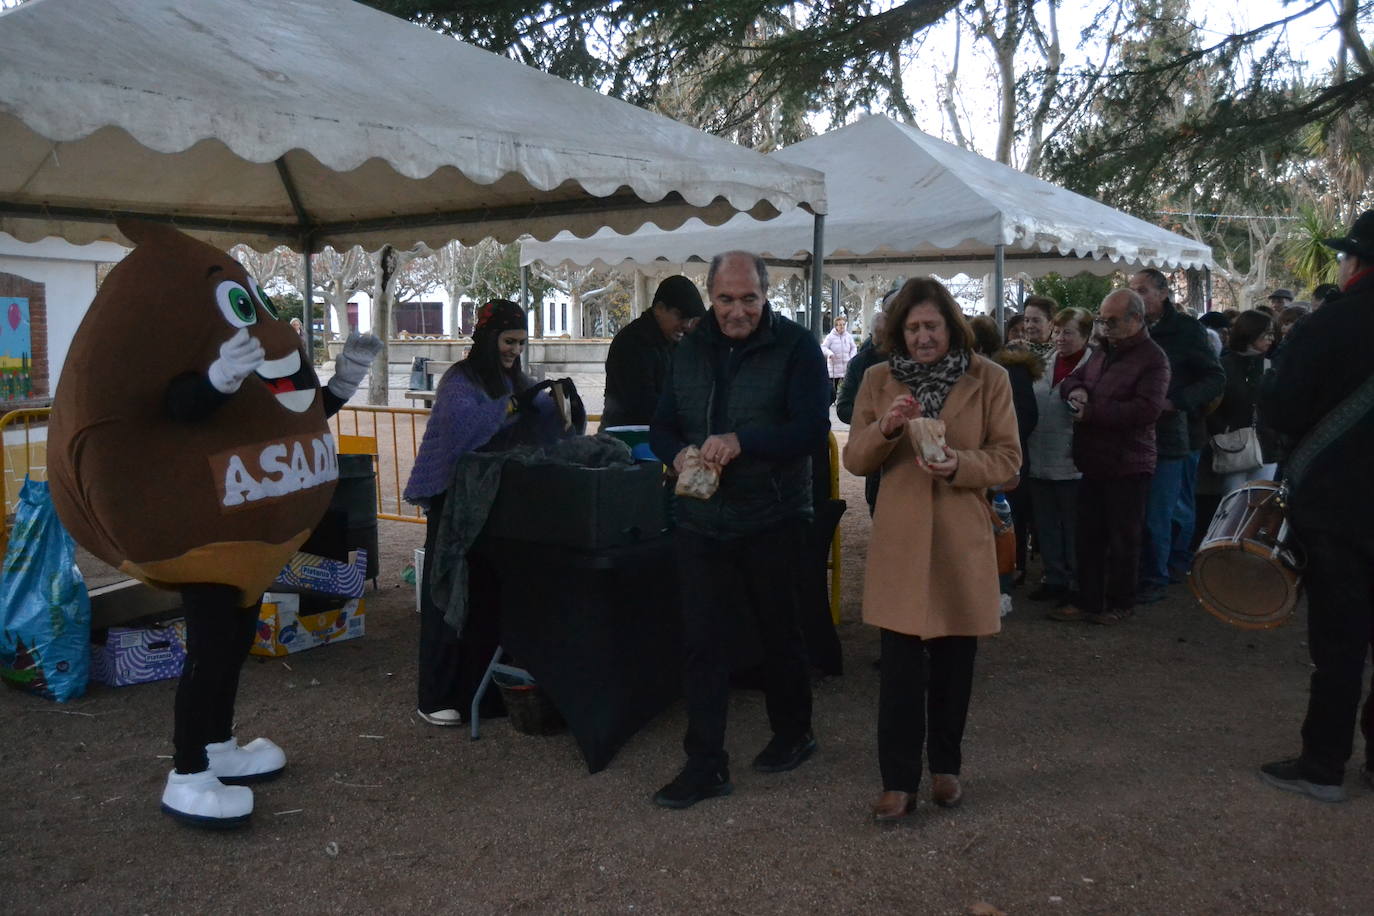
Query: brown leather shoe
(1112, 617)
(945, 790)
(893, 806)
(1069, 613)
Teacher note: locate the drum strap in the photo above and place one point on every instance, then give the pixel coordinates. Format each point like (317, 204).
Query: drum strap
(1339, 421)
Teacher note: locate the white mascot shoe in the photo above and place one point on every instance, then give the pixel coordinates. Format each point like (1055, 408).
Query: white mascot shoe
(257, 761)
(202, 800)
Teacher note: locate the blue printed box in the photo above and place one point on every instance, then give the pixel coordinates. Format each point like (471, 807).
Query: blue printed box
(307, 572)
(137, 655)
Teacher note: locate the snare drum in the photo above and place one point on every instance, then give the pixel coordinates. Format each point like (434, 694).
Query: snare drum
(1244, 572)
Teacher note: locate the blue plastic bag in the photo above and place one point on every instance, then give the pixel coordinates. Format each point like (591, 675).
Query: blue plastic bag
(45, 630)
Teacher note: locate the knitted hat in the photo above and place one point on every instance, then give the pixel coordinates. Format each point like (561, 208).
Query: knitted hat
(499, 315)
(681, 295)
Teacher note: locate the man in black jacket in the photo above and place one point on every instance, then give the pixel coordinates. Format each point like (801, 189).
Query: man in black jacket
(637, 363)
(1327, 363)
(1196, 379)
(749, 389)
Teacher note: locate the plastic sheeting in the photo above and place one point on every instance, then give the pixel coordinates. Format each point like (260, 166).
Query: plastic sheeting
(900, 197)
(388, 132)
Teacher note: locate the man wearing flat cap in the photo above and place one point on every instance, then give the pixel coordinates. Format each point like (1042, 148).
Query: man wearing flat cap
(1322, 395)
(1280, 299)
(637, 364)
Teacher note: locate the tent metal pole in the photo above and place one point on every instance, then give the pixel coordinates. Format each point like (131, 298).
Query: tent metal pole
(997, 279)
(817, 270)
(836, 298)
(1207, 289)
(308, 304)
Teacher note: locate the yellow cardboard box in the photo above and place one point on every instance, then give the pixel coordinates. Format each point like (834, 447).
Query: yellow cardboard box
(283, 629)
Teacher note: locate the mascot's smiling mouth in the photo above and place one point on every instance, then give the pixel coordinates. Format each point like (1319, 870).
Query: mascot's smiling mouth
(289, 381)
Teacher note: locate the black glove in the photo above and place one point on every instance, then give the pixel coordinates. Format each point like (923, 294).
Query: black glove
(524, 400)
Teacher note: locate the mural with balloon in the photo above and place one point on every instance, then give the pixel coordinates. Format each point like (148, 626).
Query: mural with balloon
(16, 348)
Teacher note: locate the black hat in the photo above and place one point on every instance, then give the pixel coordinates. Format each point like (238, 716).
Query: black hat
(681, 295)
(1360, 240)
(1282, 294)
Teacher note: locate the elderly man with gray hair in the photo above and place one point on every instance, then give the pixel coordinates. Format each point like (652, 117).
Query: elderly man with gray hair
(1115, 397)
(748, 389)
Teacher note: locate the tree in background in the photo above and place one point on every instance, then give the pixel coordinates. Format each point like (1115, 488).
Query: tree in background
(1084, 291)
(1151, 110)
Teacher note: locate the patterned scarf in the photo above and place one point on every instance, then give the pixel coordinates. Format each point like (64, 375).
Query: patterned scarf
(1046, 351)
(930, 382)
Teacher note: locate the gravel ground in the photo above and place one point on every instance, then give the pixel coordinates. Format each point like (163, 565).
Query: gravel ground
(1107, 770)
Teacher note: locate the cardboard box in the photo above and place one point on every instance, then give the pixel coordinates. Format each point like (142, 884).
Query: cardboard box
(283, 628)
(138, 655)
(307, 572)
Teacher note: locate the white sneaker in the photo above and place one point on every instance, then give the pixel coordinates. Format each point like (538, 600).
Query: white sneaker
(441, 716)
(202, 800)
(257, 761)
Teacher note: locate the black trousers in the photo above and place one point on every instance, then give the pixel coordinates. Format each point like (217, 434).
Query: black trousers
(1340, 633)
(1111, 514)
(219, 634)
(922, 702)
(451, 666)
(718, 580)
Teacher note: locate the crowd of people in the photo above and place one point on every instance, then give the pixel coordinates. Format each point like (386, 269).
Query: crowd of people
(1099, 426)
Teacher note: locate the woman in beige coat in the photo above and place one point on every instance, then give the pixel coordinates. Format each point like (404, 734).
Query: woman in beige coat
(931, 581)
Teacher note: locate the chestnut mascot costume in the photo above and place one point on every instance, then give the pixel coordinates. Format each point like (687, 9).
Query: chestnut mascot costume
(188, 448)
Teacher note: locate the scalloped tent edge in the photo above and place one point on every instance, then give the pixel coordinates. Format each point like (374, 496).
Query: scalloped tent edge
(297, 131)
(900, 198)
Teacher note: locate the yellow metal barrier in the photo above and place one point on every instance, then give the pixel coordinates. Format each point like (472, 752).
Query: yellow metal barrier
(24, 434)
(396, 433)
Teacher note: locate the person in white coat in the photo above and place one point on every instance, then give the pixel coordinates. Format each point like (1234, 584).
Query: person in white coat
(839, 348)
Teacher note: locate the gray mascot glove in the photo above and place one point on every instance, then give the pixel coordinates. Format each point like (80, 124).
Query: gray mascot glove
(354, 360)
(239, 356)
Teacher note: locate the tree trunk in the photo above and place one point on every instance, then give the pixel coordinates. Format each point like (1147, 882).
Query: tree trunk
(1197, 293)
(378, 387)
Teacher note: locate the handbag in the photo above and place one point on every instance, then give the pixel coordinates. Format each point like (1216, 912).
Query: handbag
(1238, 450)
(1004, 537)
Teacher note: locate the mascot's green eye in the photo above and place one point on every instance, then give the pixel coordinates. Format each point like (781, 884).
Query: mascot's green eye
(236, 304)
(268, 306)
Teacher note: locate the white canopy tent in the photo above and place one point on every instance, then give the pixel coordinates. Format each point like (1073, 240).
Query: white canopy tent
(899, 198)
(326, 122)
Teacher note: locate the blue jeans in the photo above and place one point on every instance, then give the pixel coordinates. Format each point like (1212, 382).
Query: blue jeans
(1159, 515)
(1185, 517)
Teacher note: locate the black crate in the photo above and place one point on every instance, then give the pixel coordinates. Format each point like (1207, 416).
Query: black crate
(581, 508)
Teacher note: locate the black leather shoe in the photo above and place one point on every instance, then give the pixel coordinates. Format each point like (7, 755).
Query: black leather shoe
(693, 785)
(1292, 776)
(783, 754)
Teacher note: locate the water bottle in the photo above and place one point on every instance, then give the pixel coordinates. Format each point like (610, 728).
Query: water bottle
(1003, 509)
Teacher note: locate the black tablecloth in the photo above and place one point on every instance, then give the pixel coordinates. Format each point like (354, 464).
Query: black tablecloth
(599, 631)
